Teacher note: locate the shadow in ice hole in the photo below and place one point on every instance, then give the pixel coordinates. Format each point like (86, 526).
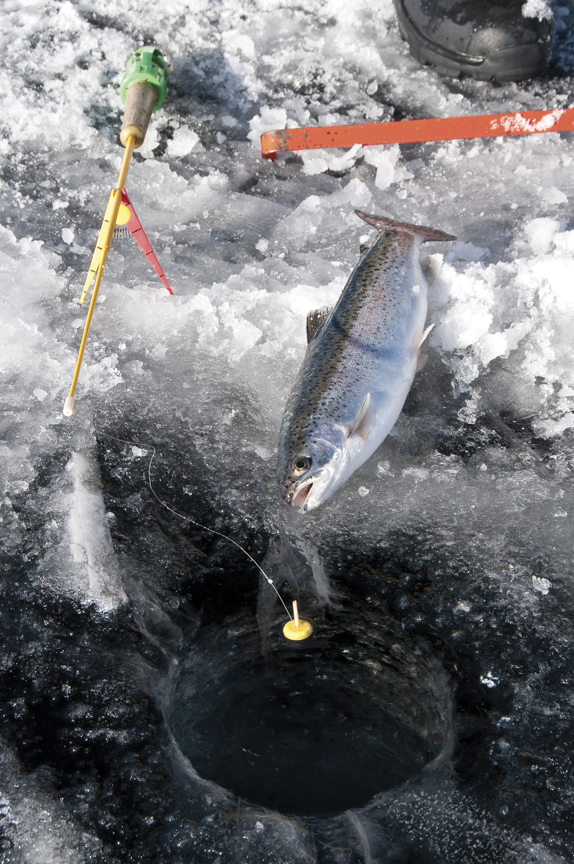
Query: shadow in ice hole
(314, 729)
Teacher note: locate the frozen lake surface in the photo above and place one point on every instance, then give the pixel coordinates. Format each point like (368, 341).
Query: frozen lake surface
(439, 578)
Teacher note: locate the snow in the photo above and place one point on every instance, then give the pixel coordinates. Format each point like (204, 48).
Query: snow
(540, 9)
(472, 491)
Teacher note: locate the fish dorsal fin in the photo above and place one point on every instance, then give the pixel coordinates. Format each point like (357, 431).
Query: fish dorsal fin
(363, 420)
(316, 320)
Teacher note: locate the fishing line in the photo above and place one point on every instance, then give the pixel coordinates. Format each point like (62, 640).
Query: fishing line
(193, 521)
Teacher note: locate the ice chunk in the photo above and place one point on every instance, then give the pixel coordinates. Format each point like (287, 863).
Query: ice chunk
(268, 120)
(523, 308)
(239, 43)
(541, 584)
(385, 161)
(150, 142)
(553, 195)
(540, 234)
(183, 141)
(540, 9)
(489, 680)
(317, 161)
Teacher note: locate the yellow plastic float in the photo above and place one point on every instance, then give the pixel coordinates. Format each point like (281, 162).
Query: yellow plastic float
(297, 629)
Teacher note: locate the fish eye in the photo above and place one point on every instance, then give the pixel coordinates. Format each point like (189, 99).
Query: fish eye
(301, 464)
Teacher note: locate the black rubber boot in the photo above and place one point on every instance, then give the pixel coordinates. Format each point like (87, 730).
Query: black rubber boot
(484, 39)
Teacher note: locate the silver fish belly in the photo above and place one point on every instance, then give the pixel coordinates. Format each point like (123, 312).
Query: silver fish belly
(359, 367)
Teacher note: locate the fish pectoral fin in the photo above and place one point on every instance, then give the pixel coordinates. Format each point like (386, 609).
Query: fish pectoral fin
(431, 267)
(363, 420)
(316, 321)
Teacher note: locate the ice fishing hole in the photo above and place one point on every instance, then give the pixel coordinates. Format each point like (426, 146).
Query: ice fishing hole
(314, 730)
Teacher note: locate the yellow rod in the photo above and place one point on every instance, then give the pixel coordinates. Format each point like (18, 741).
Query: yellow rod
(106, 235)
(69, 403)
(130, 144)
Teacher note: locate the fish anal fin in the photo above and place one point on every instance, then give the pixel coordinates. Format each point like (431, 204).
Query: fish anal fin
(421, 358)
(419, 342)
(316, 320)
(363, 420)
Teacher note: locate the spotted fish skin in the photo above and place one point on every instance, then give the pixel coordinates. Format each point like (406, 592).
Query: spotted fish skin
(359, 367)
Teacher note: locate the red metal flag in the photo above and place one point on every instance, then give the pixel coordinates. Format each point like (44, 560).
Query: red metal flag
(417, 131)
(130, 221)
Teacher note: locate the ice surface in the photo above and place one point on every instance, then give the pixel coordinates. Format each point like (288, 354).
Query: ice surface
(38, 827)
(459, 527)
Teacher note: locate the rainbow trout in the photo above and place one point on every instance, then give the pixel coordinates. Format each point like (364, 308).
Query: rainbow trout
(361, 359)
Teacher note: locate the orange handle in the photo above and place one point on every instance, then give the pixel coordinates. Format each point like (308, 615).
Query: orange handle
(417, 131)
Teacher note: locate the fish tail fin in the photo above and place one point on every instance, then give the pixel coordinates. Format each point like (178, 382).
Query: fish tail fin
(382, 222)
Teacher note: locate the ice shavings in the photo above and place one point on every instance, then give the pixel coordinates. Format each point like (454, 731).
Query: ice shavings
(387, 161)
(34, 359)
(317, 161)
(100, 373)
(489, 680)
(239, 43)
(384, 159)
(45, 109)
(250, 312)
(490, 311)
(269, 119)
(542, 585)
(320, 213)
(540, 9)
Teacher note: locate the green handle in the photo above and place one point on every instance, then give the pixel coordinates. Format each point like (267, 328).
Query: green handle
(147, 64)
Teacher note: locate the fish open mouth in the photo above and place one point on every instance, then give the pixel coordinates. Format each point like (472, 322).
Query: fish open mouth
(301, 495)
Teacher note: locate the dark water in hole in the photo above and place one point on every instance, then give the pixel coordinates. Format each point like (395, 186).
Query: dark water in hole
(313, 729)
